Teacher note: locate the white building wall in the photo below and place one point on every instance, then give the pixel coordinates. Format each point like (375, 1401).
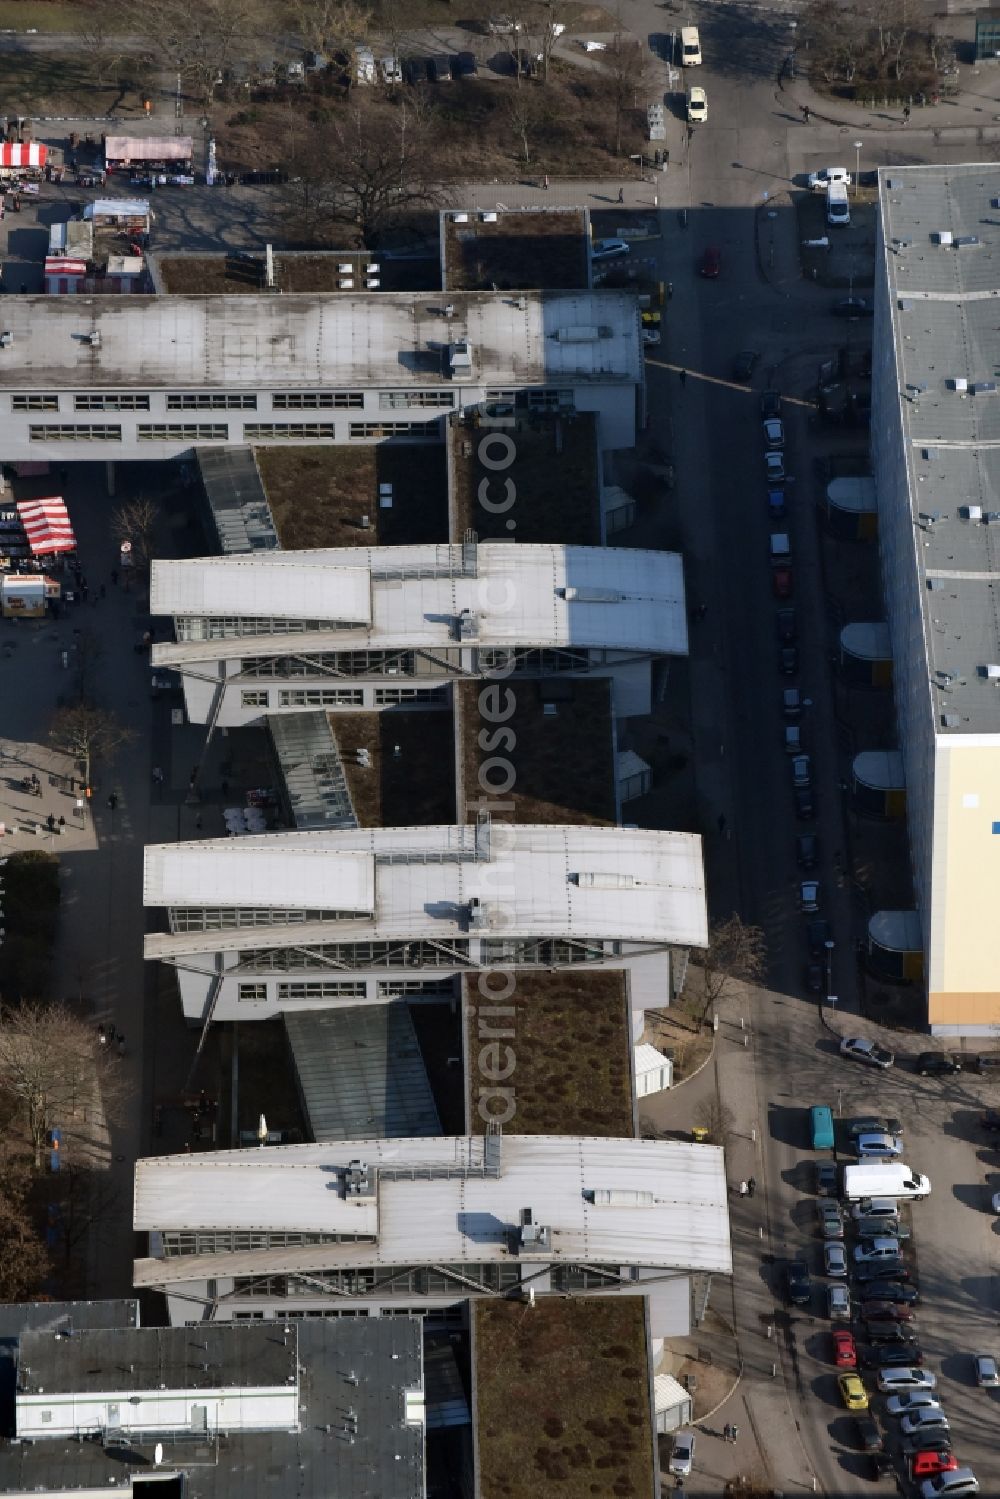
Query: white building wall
(615, 404)
(61, 1414)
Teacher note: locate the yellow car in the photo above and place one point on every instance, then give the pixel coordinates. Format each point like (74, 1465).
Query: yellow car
(853, 1392)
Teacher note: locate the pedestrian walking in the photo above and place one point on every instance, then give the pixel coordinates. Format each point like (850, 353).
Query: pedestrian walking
(751, 1185)
(112, 801)
(104, 590)
(743, 1189)
(906, 114)
(735, 1431)
(110, 1028)
(721, 822)
(621, 195)
(545, 182)
(157, 776)
(197, 823)
(682, 375)
(114, 577)
(102, 1035)
(121, 1046)
(806, 111)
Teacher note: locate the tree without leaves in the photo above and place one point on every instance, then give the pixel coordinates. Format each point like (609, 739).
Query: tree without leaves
(24, 1260)
(200, 39)
(716, 1119)
(88, 733)
(525, 111)
(50, 1061)
(627, 69)
(31, 913)
(96, 37)
(367, 168)
(134, 521)
(736, 953)
(539, 20)
(89, 1203)
(332, 25)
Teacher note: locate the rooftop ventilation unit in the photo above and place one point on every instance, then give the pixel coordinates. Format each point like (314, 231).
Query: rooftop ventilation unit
(992, 671)
(532, 1235)
(950, 720)
(359, 1180)
(6, 339)
(935, 584)
(460, 218)
(345, 268)
(490, 217)
(930, 454)
(604, 880)
(460, 357)
(478, 914)
(972, 512)
(467, 625)
(550, 710)
(905, 305)
(944, 237)
(590, 595)
(960, 384)
(94, 339)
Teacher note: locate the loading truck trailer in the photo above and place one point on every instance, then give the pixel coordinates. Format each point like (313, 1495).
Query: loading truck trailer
(884, 1179)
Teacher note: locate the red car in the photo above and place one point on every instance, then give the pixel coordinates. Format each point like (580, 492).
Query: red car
(781, 582)
(711, 262)
(926, 1464)
(845, 1355)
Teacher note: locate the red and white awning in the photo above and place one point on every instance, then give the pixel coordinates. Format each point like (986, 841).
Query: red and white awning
(33, 154)
(64, 265)
(46, 525)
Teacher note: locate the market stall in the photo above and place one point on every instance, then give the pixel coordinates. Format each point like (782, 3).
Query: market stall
(46, 526)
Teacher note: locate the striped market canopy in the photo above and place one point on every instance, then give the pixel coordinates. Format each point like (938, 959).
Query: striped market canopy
(32, 154)
(46, 525)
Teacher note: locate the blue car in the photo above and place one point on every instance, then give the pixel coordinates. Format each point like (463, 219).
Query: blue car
(776, 503)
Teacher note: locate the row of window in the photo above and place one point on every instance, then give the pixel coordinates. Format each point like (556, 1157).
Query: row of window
(219, 431)
(222, 400)
(340, 697)
(228, 1241)
(323, 990)
(414, 1281)
(528, 952)
(234, 918)
(336, 663)
(235, 626)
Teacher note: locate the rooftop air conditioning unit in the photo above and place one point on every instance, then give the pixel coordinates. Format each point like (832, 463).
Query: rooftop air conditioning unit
(489, 217)
(993, 672)
(944, 237)
(974, 512)
(345, 268)
(961, 384)
(460, 218)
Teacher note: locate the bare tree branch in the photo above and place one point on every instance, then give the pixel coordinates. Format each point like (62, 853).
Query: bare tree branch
(87, 733)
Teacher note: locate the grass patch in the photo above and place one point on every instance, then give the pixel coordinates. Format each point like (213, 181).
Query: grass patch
(204, 275)
(267, 1080)
(563, 762)
(563, 1399)
(554, 473)
(521, 251)
(318, 495)
(411, 779)
(571, 1044)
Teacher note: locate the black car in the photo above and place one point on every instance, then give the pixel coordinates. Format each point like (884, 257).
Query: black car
(770, 404)
(932, 1440)
(987, 1064)
(817, 935)
(937, 1064)
(785, 624)
(853, 307)
(891, 1356)
(797, 1283)
(881, 1330)
(880, 1463)
(439, 68)
(869, 1437)
(744, 365)
(806, 850)
(814, 978)
(464, 65)
(788, 660)
(990, 1120)
(826, 1178)
(891, 1290)
(805, 805)
(891, 1269)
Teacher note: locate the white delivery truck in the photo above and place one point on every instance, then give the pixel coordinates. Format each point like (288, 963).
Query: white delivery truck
(884, 1179)
(838, 204)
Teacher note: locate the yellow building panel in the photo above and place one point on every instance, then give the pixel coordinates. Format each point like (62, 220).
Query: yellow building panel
(964, 949)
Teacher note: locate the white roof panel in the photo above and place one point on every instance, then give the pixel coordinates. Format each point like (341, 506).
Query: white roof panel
(337, 339)
(610, 598)
(224, 873)
(669, 1205)
(631, 884)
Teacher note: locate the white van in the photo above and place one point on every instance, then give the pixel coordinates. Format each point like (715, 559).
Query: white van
(838, 207)
(690, 47)
(884, 1179)
(364, 65)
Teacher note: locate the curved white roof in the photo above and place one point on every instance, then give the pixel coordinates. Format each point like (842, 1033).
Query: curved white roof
(638, 885)
(613, 598)
(665, 1203)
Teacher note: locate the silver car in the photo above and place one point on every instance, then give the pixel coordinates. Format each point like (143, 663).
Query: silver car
(987, 1374)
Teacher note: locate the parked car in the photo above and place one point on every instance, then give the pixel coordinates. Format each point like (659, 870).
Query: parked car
(922, 1419)
(853, 307)
(820, 181)
(774, 467)
(987, 1374)
(791, 702)
(464, 65)
(792, 732)
(868, 1271)
(956, 1484)
(439, 68)
(786, 625)
(817, 935)
(892, 1356)
(878, 1146)
(895, 1381)
(682, 1455)
(390, 69)
(777, 508)
(711, 263)
(801, 770)
(853, 1392)
(990, 1120)
(859, 1049)
(926, 1441)
(610, 249)
(882, 1332)
(834, 1258)
(912, 1400)
(815, 977)
(697, 105)
(838, 1303)
(797, 1283)
(869, 1437)
(892, 1290)
(770, 404)
(744, 365)
(870, 1228)
(831, 1221)
(806, 850)
(650, 336)
(809, 895)
(874, 1251)
(987, 1064)
(876, 1207)
(873, 1124)
(873, 1309)
(937, 1064)
(845, 1355)
(774, 432)
(926, 1464)
(826, 1180)
(805, 806)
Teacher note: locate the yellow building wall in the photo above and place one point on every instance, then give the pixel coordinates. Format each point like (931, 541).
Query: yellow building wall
(964, 973)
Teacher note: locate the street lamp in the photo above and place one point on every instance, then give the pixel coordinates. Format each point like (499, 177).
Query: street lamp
(829, 945)
(857, 166)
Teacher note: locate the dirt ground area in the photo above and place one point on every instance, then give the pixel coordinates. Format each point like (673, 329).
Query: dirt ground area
(555, 475)
(519, 252)
(410, 779)
(205, 275)
(318, 495)
(572, 1052)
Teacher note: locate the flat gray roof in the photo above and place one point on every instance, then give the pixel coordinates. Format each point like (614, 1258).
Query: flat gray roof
(944, 313)
(17, 1317)
(365, 1365)
(304, 339)
(361, 1073)
(148, 1358)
